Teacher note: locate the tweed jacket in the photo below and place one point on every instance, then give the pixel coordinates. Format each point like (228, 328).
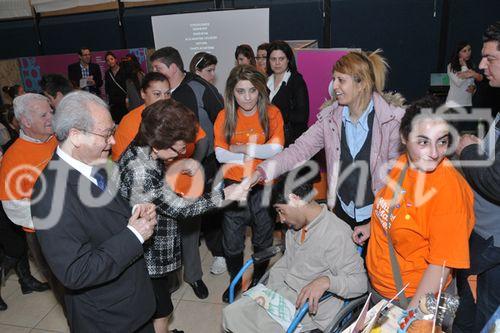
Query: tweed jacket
(141, 179)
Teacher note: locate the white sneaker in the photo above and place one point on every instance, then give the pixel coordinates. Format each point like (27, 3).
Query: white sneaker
(218, 266)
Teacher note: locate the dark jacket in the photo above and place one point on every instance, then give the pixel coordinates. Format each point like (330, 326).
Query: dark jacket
(115, 88)
(141, 179)
(91, 252)
(133, 95)
(75, 74)
(292, 99)
(204, 100)
(484, 180)
(199, 96)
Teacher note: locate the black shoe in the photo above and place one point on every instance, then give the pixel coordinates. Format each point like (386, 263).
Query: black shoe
(258, 272)
(234, 264)
(225, 296)
(3, 305)
(255, 281)
(28, 283)
(200, 289)
(8, 263)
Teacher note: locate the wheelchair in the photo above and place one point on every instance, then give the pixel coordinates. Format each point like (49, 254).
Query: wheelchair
(343, 319)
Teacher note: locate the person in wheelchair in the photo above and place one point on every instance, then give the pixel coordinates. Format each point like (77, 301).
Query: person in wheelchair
(319, 257)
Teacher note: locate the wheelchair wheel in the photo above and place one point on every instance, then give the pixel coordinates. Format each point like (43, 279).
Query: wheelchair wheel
(347, 315)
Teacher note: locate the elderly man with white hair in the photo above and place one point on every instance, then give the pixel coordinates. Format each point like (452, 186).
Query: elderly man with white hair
(21, 165)
(89, 234)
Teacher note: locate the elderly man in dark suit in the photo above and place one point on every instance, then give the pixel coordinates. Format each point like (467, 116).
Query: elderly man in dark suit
(89, 236)
(84, 74)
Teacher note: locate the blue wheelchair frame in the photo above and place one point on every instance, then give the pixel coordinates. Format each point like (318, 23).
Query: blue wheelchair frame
(265, 255)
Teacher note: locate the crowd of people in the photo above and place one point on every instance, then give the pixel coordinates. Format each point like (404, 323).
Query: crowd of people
(110, 198)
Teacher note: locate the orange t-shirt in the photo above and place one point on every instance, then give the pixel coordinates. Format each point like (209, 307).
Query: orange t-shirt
(126, 131)
(186, 185)
(431, 224)
(21, 166)
(248, 130)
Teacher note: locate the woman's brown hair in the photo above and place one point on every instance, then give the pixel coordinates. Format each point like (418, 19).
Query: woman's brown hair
(164, 123)
(258, 80)
(247, 52)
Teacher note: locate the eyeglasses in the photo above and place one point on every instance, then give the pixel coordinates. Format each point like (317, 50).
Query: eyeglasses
(106, 137)
(179, 152)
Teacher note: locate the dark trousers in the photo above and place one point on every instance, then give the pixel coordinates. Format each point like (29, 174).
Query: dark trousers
(211, 226)
(485, 263)
(190, 235)
(237, 218)
(190, 241)
(339, 212)
(41, 263)
(12, 238)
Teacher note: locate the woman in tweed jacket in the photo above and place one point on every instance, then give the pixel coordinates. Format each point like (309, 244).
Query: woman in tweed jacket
(165, 129)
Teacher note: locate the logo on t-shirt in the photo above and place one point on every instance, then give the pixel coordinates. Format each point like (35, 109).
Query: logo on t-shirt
(382, 212)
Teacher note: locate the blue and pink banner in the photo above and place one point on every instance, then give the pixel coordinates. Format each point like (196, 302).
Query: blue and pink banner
(32, 68)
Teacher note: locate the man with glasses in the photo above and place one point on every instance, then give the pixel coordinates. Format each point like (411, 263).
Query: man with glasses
(84, 74)
(88, 233)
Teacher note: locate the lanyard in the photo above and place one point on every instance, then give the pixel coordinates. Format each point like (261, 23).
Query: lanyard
(396, 270)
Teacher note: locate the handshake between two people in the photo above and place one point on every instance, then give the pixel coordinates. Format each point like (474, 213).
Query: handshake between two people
(239, 192)
(143, 218)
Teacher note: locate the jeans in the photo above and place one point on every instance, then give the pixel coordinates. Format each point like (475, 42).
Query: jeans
(485, 263)
(237, 218)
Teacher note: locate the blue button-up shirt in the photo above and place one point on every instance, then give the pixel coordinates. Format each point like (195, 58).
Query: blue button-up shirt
(85, 74)
(356, 134)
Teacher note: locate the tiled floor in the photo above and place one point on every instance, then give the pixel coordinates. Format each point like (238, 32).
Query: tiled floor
(39, 313)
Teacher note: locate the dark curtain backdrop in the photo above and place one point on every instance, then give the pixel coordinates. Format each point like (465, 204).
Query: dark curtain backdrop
(406, 30)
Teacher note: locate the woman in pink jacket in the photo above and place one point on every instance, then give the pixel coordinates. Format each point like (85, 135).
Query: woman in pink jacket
(360, 135)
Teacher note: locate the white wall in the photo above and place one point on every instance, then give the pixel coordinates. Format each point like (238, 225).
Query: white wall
(217, 32)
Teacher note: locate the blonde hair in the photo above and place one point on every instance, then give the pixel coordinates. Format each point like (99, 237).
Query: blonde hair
(258, 80)
(369, 69)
